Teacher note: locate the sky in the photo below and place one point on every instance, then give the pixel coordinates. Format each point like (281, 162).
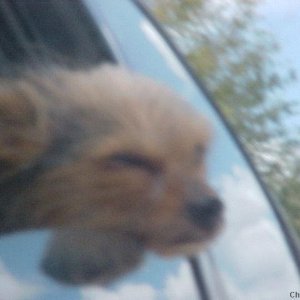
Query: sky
(282, 19)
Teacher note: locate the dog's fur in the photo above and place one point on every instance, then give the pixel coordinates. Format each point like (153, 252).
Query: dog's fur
(112, 161)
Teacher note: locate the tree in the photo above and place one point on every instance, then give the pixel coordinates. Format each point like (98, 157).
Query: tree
(237, 61)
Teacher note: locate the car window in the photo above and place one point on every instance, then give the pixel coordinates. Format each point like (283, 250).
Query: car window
(248, 65)
(245, 53)
(253, 259)
(39, 32)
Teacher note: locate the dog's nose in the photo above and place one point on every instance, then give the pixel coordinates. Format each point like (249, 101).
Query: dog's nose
(205, 212)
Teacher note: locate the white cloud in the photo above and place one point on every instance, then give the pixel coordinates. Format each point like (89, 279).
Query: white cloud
(256, 260)
(180, 286)
(14, 289)
(177, 286)
(125, 292)
(261, 259)
(244, 202)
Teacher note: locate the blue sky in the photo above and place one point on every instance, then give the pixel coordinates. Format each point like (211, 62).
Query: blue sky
(282, 19)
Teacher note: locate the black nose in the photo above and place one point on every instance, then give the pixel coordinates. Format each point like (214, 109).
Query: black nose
(205, 212)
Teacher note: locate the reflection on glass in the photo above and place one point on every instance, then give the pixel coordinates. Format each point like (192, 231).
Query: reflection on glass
(254, 86)
(252, 257)
(177, 284)
(245, 51)
(20, 278)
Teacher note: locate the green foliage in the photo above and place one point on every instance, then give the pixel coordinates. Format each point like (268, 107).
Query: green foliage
(237, 61)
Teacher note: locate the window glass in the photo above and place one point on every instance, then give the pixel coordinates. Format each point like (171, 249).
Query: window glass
(246, 54)
(251, 259)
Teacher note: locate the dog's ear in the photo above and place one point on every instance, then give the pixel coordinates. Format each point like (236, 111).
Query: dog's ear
(76, 256)
(23, 127)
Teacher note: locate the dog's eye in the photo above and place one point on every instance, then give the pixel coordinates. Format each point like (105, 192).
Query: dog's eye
(131, 160)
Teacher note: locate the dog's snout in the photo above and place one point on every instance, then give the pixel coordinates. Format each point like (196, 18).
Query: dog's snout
(206, 211)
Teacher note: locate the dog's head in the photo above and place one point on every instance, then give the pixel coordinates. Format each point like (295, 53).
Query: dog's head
(143, 171)
(133, 167)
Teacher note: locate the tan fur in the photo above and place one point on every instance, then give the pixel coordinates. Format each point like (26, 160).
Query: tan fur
(116, 159)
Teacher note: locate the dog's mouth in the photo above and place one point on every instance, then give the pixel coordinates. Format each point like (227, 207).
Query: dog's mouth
(186, 243)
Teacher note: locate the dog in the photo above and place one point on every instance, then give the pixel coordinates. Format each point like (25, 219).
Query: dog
(111, 161)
